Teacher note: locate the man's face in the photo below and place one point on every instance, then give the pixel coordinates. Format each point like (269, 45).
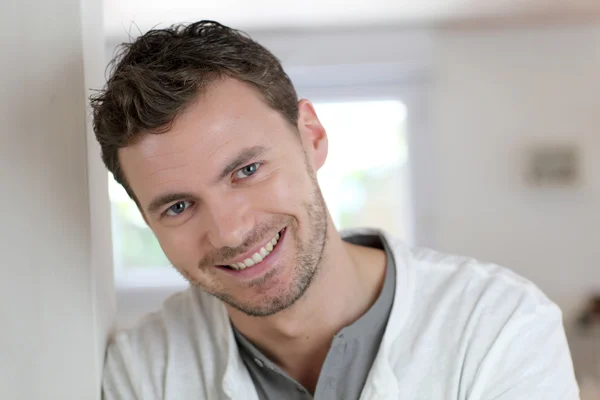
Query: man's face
(231, 194)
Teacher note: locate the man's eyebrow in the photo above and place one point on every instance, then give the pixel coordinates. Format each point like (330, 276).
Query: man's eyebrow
(164, 199)
(242, 159)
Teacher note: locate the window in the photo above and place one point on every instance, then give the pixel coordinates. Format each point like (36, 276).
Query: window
(364, 182)
(365, 177)
(135, 247)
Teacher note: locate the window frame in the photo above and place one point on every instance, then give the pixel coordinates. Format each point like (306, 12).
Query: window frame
(421, 165)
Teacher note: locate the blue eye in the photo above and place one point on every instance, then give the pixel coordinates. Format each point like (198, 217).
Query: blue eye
(178, 208)
(247, 171)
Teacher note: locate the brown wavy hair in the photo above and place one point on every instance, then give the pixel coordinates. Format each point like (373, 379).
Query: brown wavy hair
(156, 77)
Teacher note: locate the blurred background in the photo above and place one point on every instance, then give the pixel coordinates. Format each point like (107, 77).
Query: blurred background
(469, 126)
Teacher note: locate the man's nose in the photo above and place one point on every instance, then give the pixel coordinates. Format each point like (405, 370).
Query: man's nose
(229, 222)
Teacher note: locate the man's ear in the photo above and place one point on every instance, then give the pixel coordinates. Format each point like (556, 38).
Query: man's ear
(312, 134)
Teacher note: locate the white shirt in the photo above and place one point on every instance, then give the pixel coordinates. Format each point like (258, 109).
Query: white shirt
(458, 329)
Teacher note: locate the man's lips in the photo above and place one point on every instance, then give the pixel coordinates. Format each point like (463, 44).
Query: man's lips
(269, 264)
(255, 255)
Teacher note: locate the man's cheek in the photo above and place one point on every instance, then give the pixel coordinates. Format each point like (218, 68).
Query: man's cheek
(179, 249)
(288, 192)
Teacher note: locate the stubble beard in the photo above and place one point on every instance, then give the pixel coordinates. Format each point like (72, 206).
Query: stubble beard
(307, 262)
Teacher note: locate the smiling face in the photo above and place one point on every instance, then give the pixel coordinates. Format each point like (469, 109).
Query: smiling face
(230, 191)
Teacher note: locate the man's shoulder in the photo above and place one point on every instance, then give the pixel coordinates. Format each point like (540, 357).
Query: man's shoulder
(438, 277)
(152, 327)
(489, 329)
(182, 333)
(182, 315)
(145, 344)
(469, 277)
(479, 299)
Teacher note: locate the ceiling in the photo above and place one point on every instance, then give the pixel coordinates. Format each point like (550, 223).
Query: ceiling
(122, 17)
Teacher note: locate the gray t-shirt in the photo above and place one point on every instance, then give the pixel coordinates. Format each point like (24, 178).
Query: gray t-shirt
(350, 356)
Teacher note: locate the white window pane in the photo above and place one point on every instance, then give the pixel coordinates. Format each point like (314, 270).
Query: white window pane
(134, 244)
(365, 177)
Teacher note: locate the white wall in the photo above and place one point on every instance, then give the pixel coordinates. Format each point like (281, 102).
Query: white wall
(55, 290)
(496, 93)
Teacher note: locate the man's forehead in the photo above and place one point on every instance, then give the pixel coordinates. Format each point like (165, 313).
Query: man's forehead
(229, 110)
(213, 128)
(158, 159)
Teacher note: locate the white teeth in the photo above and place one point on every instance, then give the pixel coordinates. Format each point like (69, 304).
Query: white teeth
(257, 257)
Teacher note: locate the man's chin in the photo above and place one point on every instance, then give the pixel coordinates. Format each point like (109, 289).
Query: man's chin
(265, 307)
(262, 309)
(270, 297)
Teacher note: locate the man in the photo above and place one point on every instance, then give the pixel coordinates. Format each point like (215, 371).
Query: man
(204, 130)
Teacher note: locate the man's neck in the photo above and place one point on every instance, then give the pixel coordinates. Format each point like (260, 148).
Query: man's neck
(298, 339)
